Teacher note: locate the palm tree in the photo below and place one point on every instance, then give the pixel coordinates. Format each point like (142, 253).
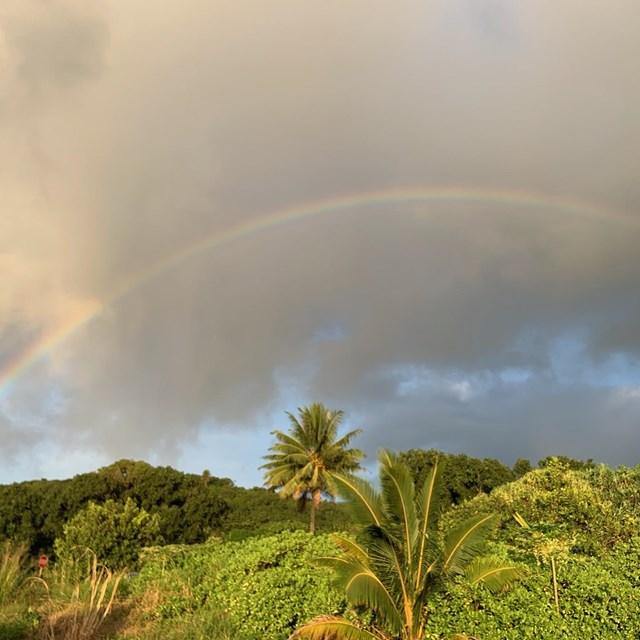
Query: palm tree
(303, 460)
(399, 560)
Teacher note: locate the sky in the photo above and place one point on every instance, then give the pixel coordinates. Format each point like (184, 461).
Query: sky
(425, 214)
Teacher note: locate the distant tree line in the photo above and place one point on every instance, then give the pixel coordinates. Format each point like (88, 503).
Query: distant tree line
(190, 508)
(464, 477)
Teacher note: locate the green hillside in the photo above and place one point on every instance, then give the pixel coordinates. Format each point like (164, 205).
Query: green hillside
(239, 564)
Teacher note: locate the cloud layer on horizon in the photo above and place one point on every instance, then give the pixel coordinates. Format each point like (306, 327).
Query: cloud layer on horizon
(493, 328)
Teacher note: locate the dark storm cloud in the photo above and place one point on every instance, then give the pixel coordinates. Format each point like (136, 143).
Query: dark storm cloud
(201, 116)
(530, 420)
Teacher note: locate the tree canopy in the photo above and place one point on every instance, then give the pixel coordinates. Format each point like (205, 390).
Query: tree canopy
(115, 532)
(463, 477)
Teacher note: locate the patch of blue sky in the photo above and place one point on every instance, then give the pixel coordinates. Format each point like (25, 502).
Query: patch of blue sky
(412, 380)
(572, 364)
(213, 450)
(51, 403)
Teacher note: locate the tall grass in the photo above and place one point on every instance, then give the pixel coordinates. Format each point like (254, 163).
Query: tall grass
(12, 561)
(79, 603)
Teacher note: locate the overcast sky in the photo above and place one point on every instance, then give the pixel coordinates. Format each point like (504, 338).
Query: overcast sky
(501, 318)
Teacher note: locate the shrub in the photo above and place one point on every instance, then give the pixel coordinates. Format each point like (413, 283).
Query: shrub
(115, 532)
(587, 509)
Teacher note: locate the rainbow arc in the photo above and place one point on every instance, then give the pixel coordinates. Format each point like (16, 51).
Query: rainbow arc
(520, 200)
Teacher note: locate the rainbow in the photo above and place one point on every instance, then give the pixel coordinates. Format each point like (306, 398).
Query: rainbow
(522, 199)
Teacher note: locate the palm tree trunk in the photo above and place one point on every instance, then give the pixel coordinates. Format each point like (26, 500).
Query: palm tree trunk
(316, 496)
(312, 520)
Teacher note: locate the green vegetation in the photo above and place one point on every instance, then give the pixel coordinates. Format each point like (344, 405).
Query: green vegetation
(259, 588)
(115, 533)
(78, 603)
(12, 560)
(190, 507)
(303, 460)
(598, 599)
(237, 564)
(588, 511)
(463, 477)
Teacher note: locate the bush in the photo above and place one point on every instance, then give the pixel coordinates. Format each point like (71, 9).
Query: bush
(115, 532)
(590, 510)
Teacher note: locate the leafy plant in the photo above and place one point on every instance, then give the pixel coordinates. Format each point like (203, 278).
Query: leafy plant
(598, 599)
(463, 477)
(258, 588)
(115, 532)
(544, 549)
(399, 562)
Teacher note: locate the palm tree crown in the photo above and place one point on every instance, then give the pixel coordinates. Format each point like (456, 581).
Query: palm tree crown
(399, 559)
(302, 461)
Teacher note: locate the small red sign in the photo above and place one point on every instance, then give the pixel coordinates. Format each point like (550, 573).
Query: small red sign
(42, 563)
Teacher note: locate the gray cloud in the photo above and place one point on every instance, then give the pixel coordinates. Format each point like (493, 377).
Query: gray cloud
(50, 48)
(156, 129)
(529, 420)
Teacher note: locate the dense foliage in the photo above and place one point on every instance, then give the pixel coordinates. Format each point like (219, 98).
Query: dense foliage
(260, 588)
(575, 526)
(114, 532)
(463, 477)
(585, 512)
(189, 507)
(599, 598)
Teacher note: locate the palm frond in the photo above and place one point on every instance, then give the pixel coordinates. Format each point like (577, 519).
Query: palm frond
(334, 628)
(365, 501)
(346, 438)
(385, 562)
(494, 573)
(398, 499)
(521, 521)
(465, 542)
(365, 587)
(293, 460)
(285, 439)
(428, 505)
(299, 483)
(351, 548)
